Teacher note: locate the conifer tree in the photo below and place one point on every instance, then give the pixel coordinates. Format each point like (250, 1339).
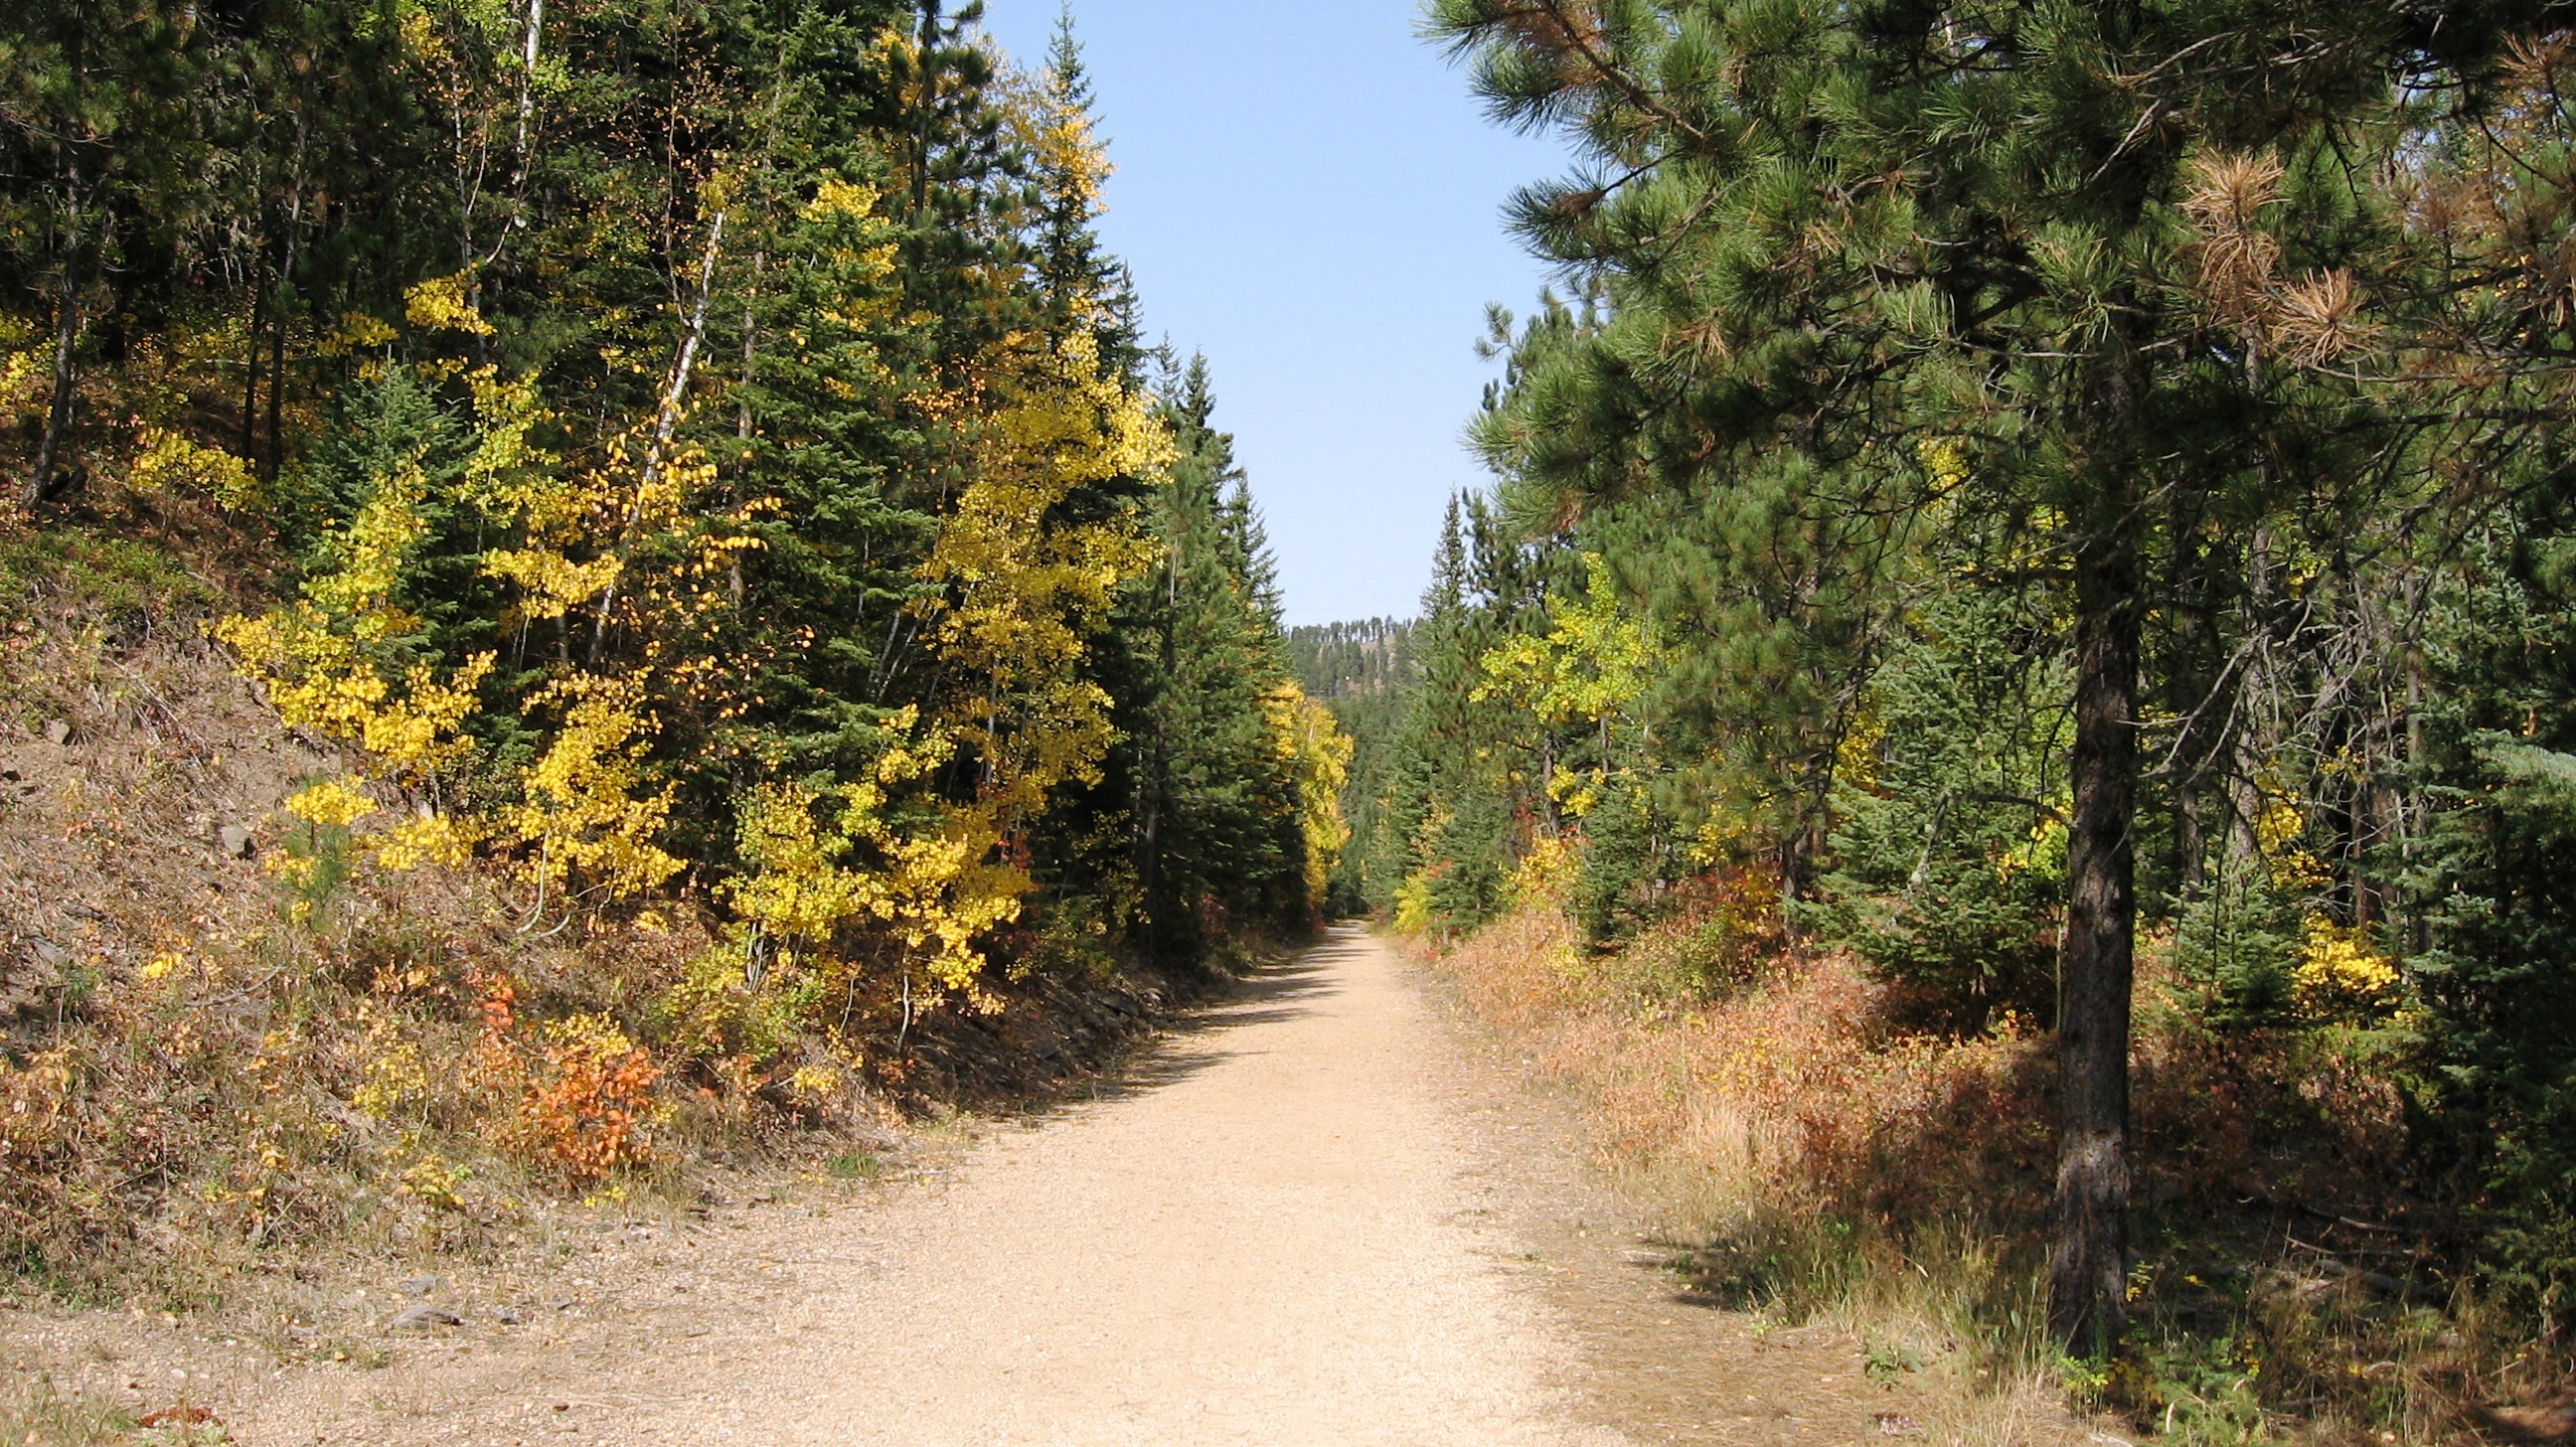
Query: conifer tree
(1825, 229)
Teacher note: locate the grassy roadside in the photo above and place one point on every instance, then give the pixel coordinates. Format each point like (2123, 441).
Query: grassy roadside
(237, 1056)
(1818, 1161)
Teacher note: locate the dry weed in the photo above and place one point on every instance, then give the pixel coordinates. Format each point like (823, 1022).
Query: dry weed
(1830, 1166)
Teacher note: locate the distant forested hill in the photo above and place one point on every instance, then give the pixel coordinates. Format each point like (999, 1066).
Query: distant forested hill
(1365, 672)
(1340, 660)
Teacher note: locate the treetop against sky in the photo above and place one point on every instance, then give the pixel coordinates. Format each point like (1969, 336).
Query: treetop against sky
(1310, 195)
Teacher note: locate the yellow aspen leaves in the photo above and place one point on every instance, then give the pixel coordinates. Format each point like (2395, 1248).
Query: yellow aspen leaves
(332, 804)
(1591, 665)
(324, 664)
(1305, 737)
(586, 805)
(1026, 589)
(440, 304)
(167, 460)
(2339, 975)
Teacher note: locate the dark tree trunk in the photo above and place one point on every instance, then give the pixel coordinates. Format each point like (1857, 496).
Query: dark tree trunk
(2088, 1281)
(275, 455)
(58, 416)
(286, 298)
(250, 356)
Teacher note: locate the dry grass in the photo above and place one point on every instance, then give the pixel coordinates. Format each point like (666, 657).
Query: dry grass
(1826, 1164)
(207, 1069)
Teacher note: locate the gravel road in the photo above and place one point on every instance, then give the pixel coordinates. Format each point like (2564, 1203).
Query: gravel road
(1320, 1212)
(1271, 1235)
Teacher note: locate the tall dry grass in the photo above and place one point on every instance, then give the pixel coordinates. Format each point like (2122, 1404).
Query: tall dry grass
(1823, 1162)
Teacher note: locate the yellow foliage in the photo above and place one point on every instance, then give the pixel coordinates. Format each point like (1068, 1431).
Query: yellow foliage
(396, 1077)
(359, 330)
(813, 1085)
(1304, 736)
(369, 554)
(1066, 148)
(320, 680)
(1025, 590)
(440, 304)
(1413, 914)
(586, 805)
(333, 803)
(1590, 667)
(169, 460)
(23, 381)
(2279, 832)
(432, 1180)
(1856, 757)
(2339, 974)
(1545, 876)
(824, 862)
(1945, 461)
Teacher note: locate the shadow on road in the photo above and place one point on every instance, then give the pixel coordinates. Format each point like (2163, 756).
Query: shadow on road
(1271, 994)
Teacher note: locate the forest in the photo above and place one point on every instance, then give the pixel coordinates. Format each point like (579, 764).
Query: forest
(2016, 669)
(592, 590)
(600, 571)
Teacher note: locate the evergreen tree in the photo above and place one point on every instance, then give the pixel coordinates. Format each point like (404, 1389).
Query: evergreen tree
(1870, 265)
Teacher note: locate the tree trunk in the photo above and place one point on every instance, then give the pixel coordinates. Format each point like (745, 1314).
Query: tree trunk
(285, 290)
(250, 356)
(58, 417)
(2089, 1277)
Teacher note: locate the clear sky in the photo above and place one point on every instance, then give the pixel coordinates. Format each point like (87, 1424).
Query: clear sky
(1308, 193)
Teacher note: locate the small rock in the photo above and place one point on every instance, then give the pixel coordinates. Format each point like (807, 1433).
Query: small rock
(235, 840)
(58, 732)
(423, 1317)
(419, 1286)
(506, 1316)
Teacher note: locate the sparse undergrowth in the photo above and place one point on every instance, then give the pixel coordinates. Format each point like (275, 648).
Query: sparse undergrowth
(1817, 1162)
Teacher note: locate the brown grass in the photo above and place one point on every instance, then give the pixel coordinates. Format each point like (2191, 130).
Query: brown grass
(1826, 1164)
(198, 1081)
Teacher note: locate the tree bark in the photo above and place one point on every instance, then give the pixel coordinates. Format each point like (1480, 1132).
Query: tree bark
(58, 416)
(274, 458)
(250, 356)
(2089, 1277)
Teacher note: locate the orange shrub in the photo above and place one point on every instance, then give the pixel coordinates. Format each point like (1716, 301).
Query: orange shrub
(591, 1108)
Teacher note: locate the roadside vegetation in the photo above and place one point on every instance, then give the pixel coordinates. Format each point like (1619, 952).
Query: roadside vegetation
(589, 596)
(2006, 711)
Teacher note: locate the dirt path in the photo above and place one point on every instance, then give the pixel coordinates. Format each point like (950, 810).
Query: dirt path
(1319, 1214)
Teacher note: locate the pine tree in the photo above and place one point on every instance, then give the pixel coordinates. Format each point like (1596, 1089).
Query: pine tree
(1826, 230)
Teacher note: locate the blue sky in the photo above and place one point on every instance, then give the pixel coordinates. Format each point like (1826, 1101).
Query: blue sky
(1308, 194)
